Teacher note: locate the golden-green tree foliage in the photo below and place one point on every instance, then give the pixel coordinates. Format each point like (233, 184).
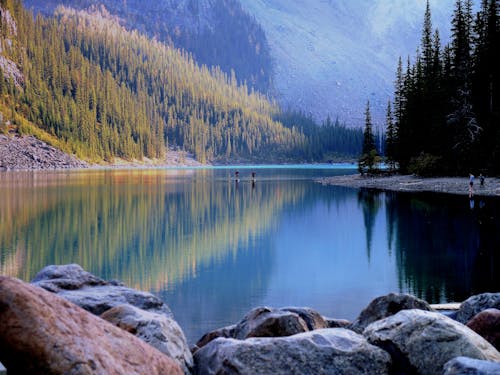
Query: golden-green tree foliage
(109, 92)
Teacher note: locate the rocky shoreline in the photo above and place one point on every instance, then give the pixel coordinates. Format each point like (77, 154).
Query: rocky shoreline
(406, 183)
(27, 153)
(70, 321)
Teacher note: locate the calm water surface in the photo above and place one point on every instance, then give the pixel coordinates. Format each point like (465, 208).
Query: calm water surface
(213, 248)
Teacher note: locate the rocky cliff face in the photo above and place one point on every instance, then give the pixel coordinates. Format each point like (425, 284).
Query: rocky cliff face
(8, 31)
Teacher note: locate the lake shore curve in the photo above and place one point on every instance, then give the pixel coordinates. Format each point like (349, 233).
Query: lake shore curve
(409, 183)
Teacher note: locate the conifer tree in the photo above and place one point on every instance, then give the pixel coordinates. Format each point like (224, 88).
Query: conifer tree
(465, 129)
(369, 157)
(391, 139)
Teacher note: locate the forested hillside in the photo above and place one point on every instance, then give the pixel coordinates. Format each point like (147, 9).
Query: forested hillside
(106, 92)
(446, 112)
(216, 32)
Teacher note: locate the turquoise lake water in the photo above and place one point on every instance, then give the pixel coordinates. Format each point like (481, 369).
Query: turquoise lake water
(214, 248)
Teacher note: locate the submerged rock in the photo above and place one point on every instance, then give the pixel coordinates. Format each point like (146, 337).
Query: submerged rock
(94, 294)
(157, 330)
(385, 306)
(422, 341)
(469, 366)
(324, 351)
(475, 304)
(42, 333)
(487, 325)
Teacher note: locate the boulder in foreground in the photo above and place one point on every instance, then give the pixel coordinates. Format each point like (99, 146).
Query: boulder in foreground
(385, 306)
(487, 325)
(469, 366)
(157, 330)
(475, 304)
(93, 294)
(42, 333)
(422, 342)
(324, 351)
(269, 322)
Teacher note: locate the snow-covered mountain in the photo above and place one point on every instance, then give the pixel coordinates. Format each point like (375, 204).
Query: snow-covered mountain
(331, 56)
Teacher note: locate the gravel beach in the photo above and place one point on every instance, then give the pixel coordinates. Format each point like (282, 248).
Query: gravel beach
(450, 185)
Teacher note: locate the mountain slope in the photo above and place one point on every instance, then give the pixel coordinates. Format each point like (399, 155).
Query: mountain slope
(106, 92)
(216, 32)
(333, 55)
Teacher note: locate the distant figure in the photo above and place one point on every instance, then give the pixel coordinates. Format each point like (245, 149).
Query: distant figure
(253, 180)
(471, 185)
(481, 179)
(237, 176)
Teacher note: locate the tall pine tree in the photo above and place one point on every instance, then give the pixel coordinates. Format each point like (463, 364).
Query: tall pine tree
(391, 139)
(369, 157)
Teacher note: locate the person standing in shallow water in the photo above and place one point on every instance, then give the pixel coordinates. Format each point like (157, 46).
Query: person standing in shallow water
(471, 185)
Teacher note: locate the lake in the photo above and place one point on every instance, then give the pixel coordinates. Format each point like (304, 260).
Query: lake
(213, 248)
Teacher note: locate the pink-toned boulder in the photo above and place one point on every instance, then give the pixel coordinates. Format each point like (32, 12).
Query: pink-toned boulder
(41, 333)
(487, 325)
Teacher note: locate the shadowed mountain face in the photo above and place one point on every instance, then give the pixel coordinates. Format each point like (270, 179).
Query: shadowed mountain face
(217, 32)
(333, 55)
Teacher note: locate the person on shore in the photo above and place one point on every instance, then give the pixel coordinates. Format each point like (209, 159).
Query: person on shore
(471, 185)
(481, 179)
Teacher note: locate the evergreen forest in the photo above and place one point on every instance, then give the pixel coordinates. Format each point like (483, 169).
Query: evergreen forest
(82, 82)
(217, 33)
(445, 118)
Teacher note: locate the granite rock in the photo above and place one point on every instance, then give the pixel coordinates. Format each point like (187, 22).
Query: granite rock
(41, 333)
(325, 351)
(157, 330)
(422, 342)
(385, 306)
(94, 294)
(487, 325)
(475, 304)
(469, 366)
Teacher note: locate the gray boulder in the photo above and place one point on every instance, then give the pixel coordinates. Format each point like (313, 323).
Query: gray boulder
(269, 322)
(469, 366)
(475, 304)
(422, 342)
(313, 319)
(66, 277)
(94, 294)
(337, 323)
(326, 351)
(385, 306)
(157, 330)
(225, 332)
